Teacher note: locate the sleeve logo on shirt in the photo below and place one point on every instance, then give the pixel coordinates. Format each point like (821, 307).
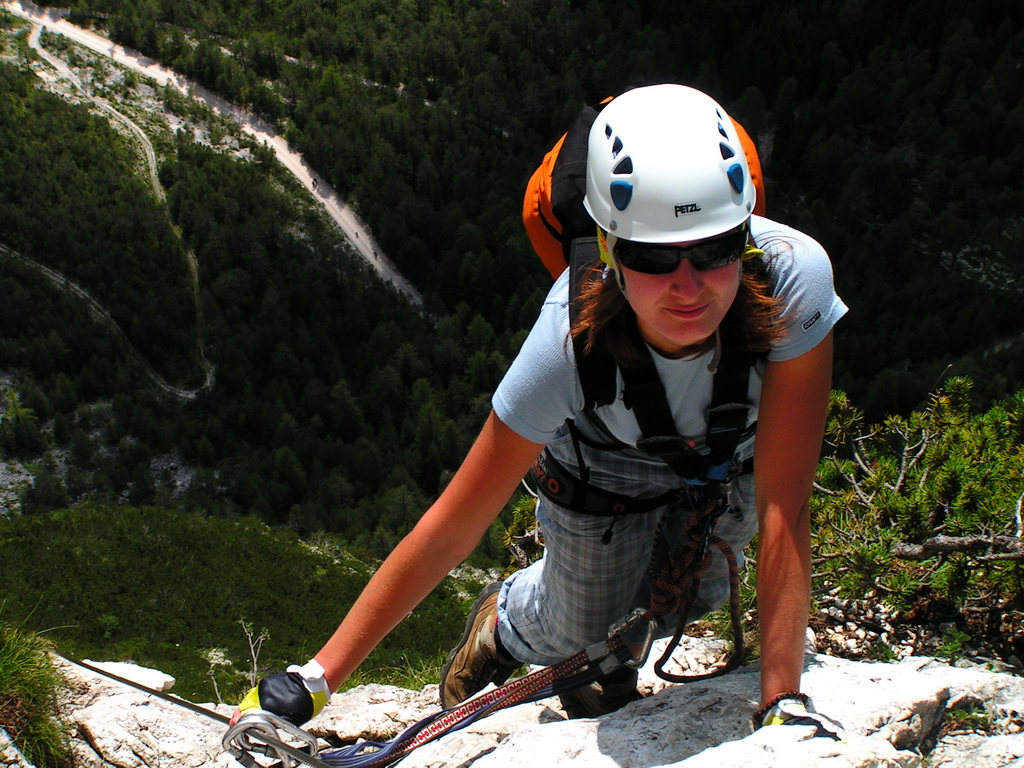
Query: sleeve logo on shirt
(808, 323)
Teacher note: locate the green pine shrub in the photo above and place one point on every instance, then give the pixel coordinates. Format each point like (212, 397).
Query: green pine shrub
(925, 507)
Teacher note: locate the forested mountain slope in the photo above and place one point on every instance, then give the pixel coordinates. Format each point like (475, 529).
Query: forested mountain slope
(890, 134)
(891, 139)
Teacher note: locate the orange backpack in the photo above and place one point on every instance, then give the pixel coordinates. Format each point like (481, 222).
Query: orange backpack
(553, 209)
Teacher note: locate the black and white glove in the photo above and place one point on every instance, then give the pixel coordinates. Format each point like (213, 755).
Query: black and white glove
(297, 695)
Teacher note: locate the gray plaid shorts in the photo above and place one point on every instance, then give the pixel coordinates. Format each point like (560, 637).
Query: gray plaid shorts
(567, 600)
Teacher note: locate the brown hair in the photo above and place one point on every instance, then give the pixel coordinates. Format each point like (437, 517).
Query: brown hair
(605, 317)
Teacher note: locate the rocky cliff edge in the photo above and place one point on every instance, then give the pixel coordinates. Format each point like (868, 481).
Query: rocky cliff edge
(919, 712)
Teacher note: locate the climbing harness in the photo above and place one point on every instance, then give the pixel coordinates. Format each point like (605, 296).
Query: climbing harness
(707, 477)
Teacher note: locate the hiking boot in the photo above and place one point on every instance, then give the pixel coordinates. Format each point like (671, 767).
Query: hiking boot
(479, 658)
(610, 693)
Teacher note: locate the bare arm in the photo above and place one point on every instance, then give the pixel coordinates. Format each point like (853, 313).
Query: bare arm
(443, 538)
(791, 421)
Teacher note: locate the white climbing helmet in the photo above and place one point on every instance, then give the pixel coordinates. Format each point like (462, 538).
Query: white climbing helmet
(665, 165)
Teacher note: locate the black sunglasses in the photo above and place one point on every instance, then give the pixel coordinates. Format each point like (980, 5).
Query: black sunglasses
(661, 259)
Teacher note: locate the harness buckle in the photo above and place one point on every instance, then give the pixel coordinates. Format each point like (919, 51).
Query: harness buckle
(685, 460)
(726, 425)
(727, 417)
(660, 446)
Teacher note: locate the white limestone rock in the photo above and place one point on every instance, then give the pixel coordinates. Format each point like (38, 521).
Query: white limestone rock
(151, 678)
(116, 725)
(893, 715)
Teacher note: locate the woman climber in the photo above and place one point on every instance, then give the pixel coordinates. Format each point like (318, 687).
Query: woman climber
(689, 282)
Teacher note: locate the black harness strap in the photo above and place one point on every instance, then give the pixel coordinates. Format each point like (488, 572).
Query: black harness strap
(550, 479)
(727, 417)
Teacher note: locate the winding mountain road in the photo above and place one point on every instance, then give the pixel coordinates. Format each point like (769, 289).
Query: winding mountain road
(358, 235)
(63, 283)
(99, 313)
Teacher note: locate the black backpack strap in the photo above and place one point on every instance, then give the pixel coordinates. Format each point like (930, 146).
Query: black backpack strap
(596, 369)
(569, 180)
(727, 417)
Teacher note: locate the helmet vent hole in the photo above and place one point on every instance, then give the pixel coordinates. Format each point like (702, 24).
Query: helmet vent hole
(721, 130)
(622, 193)
(735, 174)
(616, 147)
(625, 166)
(727, 151)
(607, 131)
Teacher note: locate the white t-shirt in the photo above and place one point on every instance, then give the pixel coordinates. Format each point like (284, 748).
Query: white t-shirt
(542, 389)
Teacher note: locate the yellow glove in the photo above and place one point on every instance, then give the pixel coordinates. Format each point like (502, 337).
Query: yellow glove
(297, 694)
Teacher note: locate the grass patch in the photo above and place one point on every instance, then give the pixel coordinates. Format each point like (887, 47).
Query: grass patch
(413, 674)
(29, 689)
(174, 591)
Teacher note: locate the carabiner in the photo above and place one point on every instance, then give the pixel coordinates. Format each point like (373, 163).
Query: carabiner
(635, 617)
(645, 650)
(258, 731)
